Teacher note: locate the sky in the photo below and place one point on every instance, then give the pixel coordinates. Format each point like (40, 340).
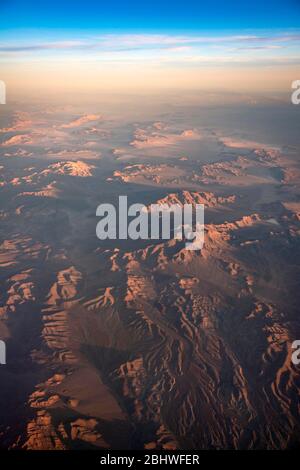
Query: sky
(155, 14)
(89, 45)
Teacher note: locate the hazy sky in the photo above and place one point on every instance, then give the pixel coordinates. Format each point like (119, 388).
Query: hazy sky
(95, 45)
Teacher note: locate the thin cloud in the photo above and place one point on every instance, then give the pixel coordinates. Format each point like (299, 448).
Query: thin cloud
(119, 42)
(45, 46)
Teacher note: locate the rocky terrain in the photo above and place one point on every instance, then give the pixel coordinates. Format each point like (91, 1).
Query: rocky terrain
(143, 344)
